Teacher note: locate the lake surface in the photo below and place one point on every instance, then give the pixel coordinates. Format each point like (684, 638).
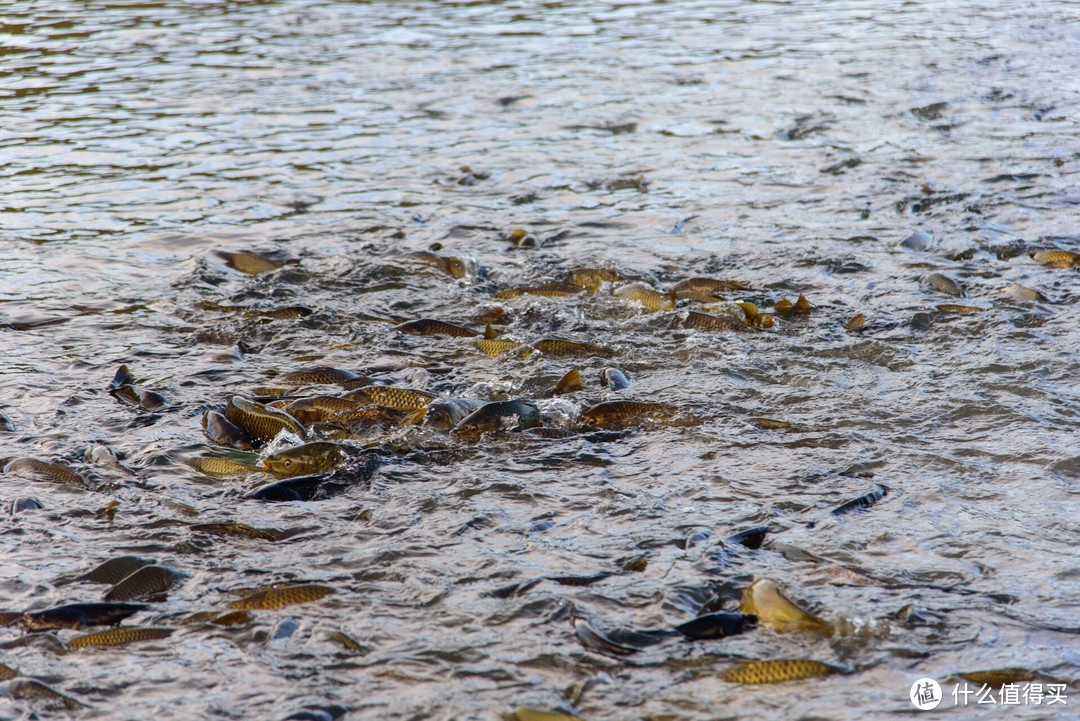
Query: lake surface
(843, 151)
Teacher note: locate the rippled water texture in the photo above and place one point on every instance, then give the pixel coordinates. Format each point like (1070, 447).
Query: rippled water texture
(790, 146)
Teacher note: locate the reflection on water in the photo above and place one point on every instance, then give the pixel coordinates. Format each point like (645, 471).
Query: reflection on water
(794, 147)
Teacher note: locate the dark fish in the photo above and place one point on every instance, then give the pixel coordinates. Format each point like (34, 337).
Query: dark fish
(779, 671)
(578, 580)
(32, 689)
(557, 347)
(751, 538)
(44, 471)
(649, 299)
(716, 625)
(116, 569)
(570, 382)
(319, 375)
(235, 529)
(614, 379)
(551, 432)
(488, 417)
(119, 637)
(427, 326)
(148, 581)
(21, 505)
(302, 488)
(6, 424)
(224, 432)
(621, 413)
(944, 284)
(591, 278)
(9, 617)
(704, 321)
(278, 597)
(708, 285)
(305, 460)
(123, 377)
(261, 422)
(292, 312)
(514, 589)
(403, 399)
(446, 413)
(79, 615)
(864, 501)
(594, 640)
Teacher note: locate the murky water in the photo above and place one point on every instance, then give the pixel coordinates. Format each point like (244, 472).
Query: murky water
(790, 146)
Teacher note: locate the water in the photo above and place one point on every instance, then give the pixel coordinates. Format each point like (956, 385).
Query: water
(791, 146)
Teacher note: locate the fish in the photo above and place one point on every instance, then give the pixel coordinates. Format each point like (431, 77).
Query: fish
(7, 673)
(864, 501)
(21, 505)
(9, 617)
(1020, 294)
(717, 625)
(490, 317)
(764, 600)
(772, 424)
(591, 278)
(446, 413)
(216, 467)
(549, 290)
(708, 285)
(802, 306)
(856, 324)
(291, 312)
(252, 263)
(529, 714)
(39, 470)
(235, 529)
(996, 678)
(551, 432)
(116, 569)
(614, 379)
(752, 538)
(261, 422)
(949, 308)
(119, 636)
(224, 432)
(489, 417)
(944, 284)
(649, 299)
(365, 417)
(578, 581)
(558, 347)
(494, 347)
(316, 409)
(570, 382)
(403, 399)
(122, 377)
(704, 321)
(697, 296)
(594, 640)
(301, 488)
(304, 460)
(33, 689)
(778, 671)
(80, 615)
(6, 424)
(614, 414)
(1056, 258)
(522, 237)
(284, 596)
(233, 618)
(148, 581)
(319, 375)
(454, 267)
(427, 326)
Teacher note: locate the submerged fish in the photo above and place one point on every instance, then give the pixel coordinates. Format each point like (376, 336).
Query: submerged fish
(704, 321)
(235, 529)
(224, 432)
(316, 409)
(529, 714)
(29, 688)
(779, 671)
(304, 460)
(301, 488)
(116, 569)
(949, 308)
(489, 417)
(557, 347)
(716, 625)
(44, 471)
(278, 597)
(80, 615)
(1056, 258)
(591, 278)
(446, 413)
(427, 326)
(764, 600)
(147, 582)
(7, 673)
(864, 501)
(649, 299)
(319, 375)
(261, 422)
(1021, 294)
(550, 432)
(119, 637)
(454, 267)
(614, 414)
(403, 399)
(708, 285)
(548, 290)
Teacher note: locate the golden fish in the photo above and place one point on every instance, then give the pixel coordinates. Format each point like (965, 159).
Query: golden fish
(621, 413)
(44, 471)
(7, 673)
(764, 600)
(251, 263)
(116, 570)
(550, 290)
(368, 416)
(551, 432)
(779, 671)
(233, 618)
(261, 422)
(557, 347)
(235, 529)
(529, 714)
(279, 597)
(802, 306)
(770, 424)
(591, 278)
(119, 636)
(1056, 258)
(708, 285)
(403, 399)
(9, 617)
(856, 324)
(997, 678)
(494, 347)
(948, 308)
(316, 409)
(221, 467)
(304, 460)
(427, 326)
(520, 236)
(761, 320)
(570, 382)
(350, 643)
(704, 321)
(319, 375)
(147, 581)
(649, 299)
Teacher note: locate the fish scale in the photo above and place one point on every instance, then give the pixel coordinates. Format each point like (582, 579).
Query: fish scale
(321, 375)
(403, 399)
(119, 636)
(279, 597)
(147, 581)
(708, 285)
(221, 467)
(777, 671)
(427, 326)
(302, 460)
(704, 321)
(43, 470)
(556, 347)
(260, 421)
(616, 412)
(235, 529)
(317, 409)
